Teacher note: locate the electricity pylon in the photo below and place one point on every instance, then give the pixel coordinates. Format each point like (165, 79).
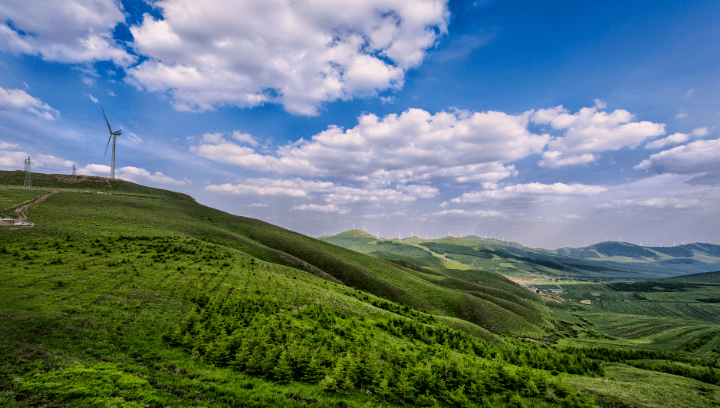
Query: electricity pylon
(28, 170)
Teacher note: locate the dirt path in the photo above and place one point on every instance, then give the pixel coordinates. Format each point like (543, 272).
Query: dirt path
(20, 211)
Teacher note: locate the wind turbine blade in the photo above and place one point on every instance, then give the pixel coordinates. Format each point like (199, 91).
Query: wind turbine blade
(108, 144)
(106, 121)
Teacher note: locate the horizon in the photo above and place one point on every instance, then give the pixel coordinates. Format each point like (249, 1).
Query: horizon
(508, 241)
(551, 125)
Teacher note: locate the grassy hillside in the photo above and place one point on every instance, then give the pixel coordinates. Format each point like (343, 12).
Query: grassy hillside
(129, 301)
(704, 278)
(10, 180)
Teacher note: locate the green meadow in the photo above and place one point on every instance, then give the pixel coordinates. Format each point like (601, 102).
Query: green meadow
(132, 299)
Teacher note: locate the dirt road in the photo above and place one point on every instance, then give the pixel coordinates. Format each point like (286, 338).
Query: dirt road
(20, 211)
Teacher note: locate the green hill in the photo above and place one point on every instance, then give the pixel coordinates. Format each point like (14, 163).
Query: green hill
(160, 302)
(133, 301)
(10, 180)
(704, 278)
(598, 262)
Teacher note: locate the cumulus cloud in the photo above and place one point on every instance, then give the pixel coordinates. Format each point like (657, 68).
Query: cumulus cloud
(133, 174)
(327, 192)
(298, 54)
(419, 191)
(675, 138)
(700, 132)
(702, 156)
(245, 138)
(269, 187)
(72, 31)
(415, 146)
(17, 99)
(12, 158)
(589, 131)
(528, 190)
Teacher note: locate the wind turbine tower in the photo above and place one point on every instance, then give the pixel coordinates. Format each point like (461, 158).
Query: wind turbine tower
(113, 135)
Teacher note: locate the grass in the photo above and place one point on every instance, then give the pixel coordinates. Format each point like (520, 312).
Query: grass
(629, 387)
(87, 295)
(97, 306)
(13, 197)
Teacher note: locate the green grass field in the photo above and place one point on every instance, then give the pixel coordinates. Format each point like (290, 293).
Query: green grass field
(130, 301)
(92, 297)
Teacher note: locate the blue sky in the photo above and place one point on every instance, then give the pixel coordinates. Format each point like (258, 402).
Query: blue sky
(550, 123)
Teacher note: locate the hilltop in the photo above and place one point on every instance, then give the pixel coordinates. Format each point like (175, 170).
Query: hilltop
(82, 183)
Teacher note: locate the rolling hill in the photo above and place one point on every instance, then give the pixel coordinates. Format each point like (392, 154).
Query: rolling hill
(130, 300)
(602, 261)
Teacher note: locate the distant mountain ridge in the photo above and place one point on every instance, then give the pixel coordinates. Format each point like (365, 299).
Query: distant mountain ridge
(610, 259)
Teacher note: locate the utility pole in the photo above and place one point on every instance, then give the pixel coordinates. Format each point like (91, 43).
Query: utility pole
(28, 170)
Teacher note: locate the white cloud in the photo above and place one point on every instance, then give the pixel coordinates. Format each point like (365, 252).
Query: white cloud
(133, 137)
(12, 158)
(654, 202)
(700, 132)
(328, 192)
(675, 138)
(330, 208)
(689, 93)
(702, 156)
(555, 159)
(681, 115)
(298, 54)
(529, 190)
(270, 187)
(245, 138)
(257, 205)
(590, 131)
(7, 145)
(466, 213)
(133, 174)
(73, 31)
(92, 98)
(419, 191)
(410, 147)
(17, 99)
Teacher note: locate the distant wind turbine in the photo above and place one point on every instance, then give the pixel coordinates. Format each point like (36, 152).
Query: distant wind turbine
(113, 135)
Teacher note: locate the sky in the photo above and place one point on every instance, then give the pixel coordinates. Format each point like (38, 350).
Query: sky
(552, 124)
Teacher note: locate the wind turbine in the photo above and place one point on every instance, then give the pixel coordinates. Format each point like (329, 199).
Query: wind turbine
(112, 136)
